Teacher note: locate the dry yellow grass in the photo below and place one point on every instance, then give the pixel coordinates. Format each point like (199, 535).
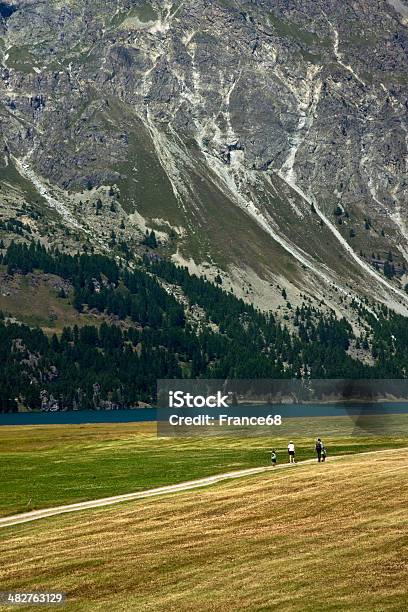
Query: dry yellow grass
(51, 465)
(47, 310)
(316, 537)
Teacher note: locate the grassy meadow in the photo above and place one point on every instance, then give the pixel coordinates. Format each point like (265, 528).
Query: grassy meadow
(318, 536)
(43, 466)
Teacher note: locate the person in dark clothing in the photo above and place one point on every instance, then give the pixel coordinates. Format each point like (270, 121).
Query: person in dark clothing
(319, 448)
(274, 457)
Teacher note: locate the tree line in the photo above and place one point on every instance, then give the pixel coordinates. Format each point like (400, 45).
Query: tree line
(112, 366)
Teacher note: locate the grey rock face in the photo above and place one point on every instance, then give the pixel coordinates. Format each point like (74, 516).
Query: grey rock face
(254, 119)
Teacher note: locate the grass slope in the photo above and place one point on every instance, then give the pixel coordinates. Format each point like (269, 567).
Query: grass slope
(327, 537)
(53, 465)
(46, 310)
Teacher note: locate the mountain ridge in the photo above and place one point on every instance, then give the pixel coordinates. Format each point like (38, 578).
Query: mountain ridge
(237, 130)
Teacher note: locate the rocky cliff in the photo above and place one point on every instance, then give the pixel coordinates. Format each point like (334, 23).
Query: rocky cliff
(263, 140)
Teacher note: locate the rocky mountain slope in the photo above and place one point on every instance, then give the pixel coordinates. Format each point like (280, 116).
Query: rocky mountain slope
(265, 141)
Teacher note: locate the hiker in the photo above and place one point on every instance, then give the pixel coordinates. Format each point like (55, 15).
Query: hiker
(274, 457)
(324, 454)
(319, 447)
(291, 452)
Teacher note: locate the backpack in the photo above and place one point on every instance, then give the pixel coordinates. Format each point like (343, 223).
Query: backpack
(319, 447)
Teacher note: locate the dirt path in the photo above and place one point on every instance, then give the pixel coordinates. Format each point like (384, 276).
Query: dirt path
(35, 515)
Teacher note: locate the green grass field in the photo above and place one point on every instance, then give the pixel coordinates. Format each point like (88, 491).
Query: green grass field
(326, 537)
(44, 466)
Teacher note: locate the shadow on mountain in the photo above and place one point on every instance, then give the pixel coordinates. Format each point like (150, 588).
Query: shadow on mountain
(7, 9)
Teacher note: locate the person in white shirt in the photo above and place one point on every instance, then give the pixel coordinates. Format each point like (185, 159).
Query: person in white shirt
(291, 452)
